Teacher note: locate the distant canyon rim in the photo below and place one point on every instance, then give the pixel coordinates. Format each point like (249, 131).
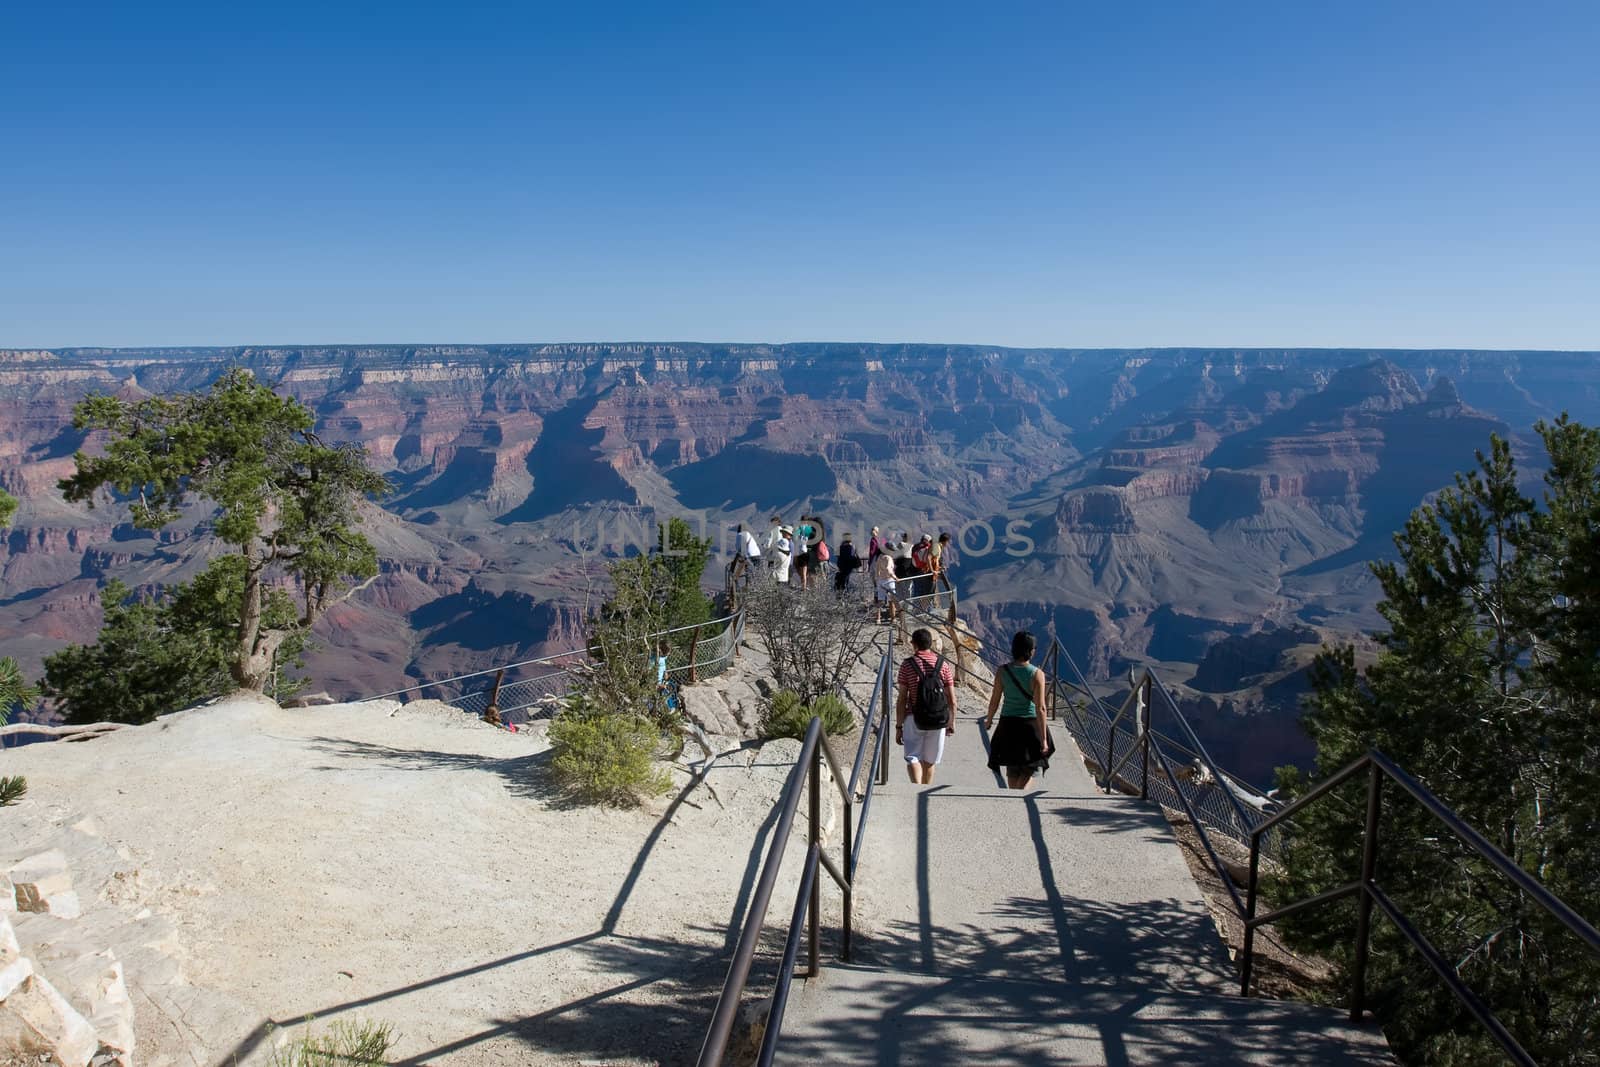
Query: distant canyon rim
(1208, 511)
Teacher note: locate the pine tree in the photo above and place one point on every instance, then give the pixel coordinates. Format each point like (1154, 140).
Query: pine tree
(1485, 690)
(287, 504)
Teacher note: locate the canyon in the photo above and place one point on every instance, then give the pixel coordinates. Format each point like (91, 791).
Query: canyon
(1209, 511)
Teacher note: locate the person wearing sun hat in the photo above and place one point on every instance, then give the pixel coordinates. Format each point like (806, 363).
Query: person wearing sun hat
(783, 551)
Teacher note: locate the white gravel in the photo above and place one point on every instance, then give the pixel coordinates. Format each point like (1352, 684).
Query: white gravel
(403, 864)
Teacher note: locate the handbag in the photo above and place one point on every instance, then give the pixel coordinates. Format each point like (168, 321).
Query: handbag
(823, 555)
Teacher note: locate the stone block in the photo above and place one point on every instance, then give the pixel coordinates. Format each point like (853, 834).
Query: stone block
(38, 878)
(14, 974)
(9, 949)
(93, 983)
(38, 1018)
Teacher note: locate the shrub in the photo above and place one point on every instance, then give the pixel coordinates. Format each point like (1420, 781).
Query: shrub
(786, 716)
(360, 1043)
(813, 638)
(12, 789)
(607, 757)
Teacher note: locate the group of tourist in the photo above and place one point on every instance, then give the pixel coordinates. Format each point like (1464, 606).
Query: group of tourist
(925, 713)
(799, 554)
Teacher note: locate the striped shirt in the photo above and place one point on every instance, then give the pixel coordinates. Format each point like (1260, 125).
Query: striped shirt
(910, 673)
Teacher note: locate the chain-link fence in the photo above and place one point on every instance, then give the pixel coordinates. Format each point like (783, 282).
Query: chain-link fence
(535, 689)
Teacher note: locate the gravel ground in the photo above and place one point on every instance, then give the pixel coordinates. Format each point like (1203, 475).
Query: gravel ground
(401, 864)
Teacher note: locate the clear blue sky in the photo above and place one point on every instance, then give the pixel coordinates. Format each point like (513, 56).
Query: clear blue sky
(1188, 173)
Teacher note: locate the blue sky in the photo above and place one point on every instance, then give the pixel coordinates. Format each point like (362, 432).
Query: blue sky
(1394, 174)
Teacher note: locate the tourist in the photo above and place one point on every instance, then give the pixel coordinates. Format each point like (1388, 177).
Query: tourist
(922, 566)
(1022, 743)
(940, 558)
(847, 562)
(874, 546)
(817, 552)
(783, 553)
(771, 545)
(883, 585)
(800, 552)
(925, 713)
(901, 551)
(746, 554)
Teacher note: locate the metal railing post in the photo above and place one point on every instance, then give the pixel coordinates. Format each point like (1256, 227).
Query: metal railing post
(1247, 951)
(1144, 738)
(1369, 864)
(849, 872)
(694, 653)
(885, 700)
(1111, 756)
(491, 714)
(812, 953)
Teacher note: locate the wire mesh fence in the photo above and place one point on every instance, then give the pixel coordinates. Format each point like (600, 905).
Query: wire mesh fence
(536, 689)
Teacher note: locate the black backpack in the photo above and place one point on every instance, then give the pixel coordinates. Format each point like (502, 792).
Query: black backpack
(930, 707)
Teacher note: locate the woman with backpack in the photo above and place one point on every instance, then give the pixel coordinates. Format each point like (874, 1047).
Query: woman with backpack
(1022, 743)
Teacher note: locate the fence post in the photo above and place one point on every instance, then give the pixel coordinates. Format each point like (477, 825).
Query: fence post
(1111, 756)
(694, 651)
(849, 870)
(1144, 738)
(491, 714)
(1247, 953)
(885, 695)
(1369, 866)
(1055, 669)
(815, 836)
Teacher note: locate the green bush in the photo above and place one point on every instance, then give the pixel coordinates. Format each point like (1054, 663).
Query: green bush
(607, 757)
(359, 1043)
(786, 716)
(12, 789)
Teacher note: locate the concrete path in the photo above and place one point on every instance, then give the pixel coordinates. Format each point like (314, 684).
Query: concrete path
(1054, 926)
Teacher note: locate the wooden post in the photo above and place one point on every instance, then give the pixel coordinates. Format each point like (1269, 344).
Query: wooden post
(694, 652)
(491, 715)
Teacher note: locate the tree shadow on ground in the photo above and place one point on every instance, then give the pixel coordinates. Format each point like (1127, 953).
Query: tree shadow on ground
(530, 776)
(679, 978)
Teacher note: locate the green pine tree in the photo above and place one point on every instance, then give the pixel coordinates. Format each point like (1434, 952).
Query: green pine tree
(286, 502)
(1485, 689)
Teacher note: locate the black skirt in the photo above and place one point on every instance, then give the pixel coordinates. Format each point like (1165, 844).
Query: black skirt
(1015, 746)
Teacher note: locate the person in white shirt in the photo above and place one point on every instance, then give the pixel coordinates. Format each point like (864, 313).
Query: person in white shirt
(784, 550)
(746, 554)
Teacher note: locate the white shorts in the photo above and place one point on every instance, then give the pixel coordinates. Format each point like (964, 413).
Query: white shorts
(886, 587)
(923, 746)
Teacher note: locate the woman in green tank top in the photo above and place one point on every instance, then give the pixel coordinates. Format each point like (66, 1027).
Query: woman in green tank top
(1022, 743)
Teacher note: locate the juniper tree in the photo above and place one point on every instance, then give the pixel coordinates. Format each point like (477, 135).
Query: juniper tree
(1485, 689)
(286, 502)
(157, 654)
(14, 689)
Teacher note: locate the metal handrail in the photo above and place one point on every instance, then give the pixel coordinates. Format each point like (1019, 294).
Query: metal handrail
(1379, 768)
(805, 918)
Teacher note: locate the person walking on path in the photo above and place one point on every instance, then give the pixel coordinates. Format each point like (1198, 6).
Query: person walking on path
(1022, 744)
(883, 583)
(874, 550)
(925, 714)
(847, 562)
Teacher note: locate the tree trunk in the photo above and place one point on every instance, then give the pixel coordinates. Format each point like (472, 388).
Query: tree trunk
(253, 654)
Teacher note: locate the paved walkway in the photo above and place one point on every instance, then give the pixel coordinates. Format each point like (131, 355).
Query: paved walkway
(1056, 926)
